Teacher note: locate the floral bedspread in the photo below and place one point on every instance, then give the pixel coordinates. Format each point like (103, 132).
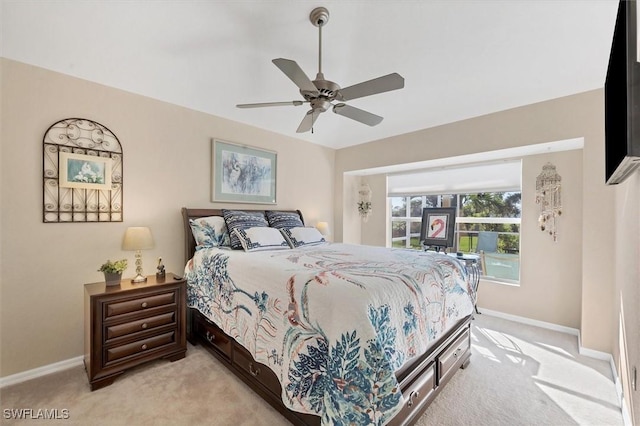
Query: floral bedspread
(333, 321)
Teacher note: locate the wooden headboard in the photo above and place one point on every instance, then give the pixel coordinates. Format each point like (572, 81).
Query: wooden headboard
(190, 242)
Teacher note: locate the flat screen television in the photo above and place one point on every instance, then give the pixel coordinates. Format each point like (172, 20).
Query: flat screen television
(622, 97)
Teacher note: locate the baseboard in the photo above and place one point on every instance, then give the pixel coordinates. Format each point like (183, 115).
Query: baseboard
(626, 413)
(592, 353)
(626, 418)
(40, 371)
(529, 321)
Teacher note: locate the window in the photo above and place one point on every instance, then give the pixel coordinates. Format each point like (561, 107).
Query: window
(406, 218)
(487, 224)
(487, 200)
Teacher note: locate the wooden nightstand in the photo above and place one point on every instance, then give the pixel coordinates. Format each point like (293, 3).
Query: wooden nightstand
(130, 324)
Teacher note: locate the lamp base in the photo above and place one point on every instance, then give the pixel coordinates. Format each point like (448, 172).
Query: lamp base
(139, 279)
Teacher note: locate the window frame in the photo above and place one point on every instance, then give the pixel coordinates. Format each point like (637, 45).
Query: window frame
(408, 220)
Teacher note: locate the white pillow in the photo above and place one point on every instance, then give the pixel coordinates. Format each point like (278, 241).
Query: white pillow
(261, 238)
(303, 236)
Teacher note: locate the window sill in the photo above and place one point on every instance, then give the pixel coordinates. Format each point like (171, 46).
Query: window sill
(501, 281)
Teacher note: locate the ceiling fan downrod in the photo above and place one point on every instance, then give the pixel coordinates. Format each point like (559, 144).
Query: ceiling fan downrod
(319, 18)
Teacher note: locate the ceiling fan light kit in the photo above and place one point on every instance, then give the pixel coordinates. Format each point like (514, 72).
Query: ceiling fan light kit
(320, 93)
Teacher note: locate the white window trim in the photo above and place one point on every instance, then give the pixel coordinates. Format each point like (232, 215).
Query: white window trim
(509, 220)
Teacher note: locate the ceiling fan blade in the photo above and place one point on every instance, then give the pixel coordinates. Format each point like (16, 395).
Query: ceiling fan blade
(269, 104)
(377, 85)
(357, 114)
(307, 122)
(295, 73)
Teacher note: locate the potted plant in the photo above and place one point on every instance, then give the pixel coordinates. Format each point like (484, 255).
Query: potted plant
(113, 271)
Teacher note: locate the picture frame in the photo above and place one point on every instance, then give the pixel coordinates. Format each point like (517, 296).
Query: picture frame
(438, 226)
(84, 171)
(242, 173)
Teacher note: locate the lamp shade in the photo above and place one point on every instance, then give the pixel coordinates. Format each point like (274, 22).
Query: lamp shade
(323, 227)
(137, 238)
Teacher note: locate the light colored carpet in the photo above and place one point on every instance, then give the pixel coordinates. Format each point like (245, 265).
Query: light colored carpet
(525, 375)
(518, 375)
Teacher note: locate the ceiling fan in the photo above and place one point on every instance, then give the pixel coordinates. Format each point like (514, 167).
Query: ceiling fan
(320, 93)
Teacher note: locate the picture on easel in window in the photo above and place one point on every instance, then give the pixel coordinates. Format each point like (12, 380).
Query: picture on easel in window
(438, 226)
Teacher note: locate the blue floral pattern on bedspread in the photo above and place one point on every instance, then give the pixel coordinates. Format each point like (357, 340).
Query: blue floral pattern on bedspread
(334, 322)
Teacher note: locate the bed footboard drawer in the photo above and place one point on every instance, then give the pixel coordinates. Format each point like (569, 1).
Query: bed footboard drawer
(418, 393)
(263, 374)
(215, 336)
(449, 360)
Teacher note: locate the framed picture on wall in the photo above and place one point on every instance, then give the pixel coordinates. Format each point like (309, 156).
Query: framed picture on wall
(438, 226)
(84, 171)
(242, 174)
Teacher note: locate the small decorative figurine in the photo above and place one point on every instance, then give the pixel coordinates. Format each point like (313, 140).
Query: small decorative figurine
(161, 273)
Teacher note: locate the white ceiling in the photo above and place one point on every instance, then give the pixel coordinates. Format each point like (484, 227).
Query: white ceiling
(459, 58)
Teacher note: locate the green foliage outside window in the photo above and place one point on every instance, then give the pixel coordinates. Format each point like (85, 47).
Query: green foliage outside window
(486, 204)
(492, 204)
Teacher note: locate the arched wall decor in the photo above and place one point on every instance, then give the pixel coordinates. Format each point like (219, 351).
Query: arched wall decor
(82, 173)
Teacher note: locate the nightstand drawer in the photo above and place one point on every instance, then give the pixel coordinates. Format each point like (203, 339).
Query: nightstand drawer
(113, 309)
(138, 347)
(143, 324)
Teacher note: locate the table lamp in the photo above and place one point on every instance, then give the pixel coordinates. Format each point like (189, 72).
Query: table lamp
(324, 229)
(138, 238)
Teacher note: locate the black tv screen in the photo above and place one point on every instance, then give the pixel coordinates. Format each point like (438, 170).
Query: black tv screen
(622, 97)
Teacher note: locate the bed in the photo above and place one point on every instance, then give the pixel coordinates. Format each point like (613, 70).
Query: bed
(329, 333)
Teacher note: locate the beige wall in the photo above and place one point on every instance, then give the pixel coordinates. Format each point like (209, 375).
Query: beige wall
(550, 272)
(166, 166)
(353, 232)
(589, 279)
(627, 286)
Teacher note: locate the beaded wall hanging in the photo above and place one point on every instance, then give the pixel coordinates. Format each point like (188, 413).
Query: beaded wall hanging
(548, 196)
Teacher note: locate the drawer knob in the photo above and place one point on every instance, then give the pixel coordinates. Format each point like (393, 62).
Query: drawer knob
(144, 347)
(144, 304)
(413, 396)
(210, 337)
(144, 325)
(253, 372)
